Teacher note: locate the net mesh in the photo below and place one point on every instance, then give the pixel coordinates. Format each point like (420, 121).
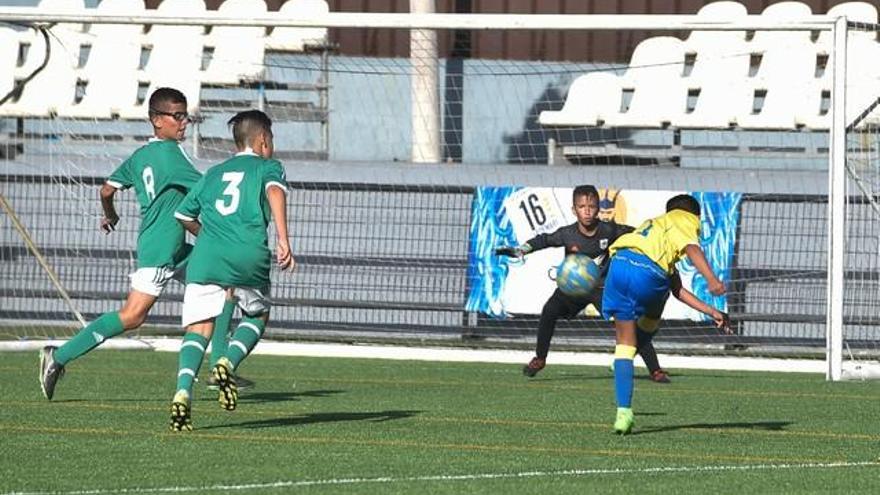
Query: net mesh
(389, 249)
(861, 331)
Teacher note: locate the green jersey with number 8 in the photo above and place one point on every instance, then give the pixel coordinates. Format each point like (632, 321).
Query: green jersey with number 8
(232, 248)
(161, 174)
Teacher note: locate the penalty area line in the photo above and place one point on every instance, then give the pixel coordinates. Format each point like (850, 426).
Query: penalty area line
(458, 477)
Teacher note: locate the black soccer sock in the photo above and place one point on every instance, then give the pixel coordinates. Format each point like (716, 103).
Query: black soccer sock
(553, 309)
(646, 349)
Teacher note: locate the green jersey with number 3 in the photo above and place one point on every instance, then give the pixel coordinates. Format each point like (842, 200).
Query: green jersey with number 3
(161, 175)
(232, 248)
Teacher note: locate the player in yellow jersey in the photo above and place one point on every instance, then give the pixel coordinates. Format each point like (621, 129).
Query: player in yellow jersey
(641, 276)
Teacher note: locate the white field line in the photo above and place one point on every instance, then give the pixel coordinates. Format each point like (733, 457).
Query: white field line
(375, 351)
(462, 477)
(124, 344)
(511, 356)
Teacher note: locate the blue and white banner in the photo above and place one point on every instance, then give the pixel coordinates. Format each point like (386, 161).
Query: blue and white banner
(510, 216)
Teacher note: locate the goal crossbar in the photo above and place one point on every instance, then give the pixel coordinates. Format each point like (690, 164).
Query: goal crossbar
(596, 22)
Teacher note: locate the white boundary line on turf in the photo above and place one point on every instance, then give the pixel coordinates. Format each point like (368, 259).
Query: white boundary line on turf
(511, 356)
(462, 477)
(450, 354)
(123, 344)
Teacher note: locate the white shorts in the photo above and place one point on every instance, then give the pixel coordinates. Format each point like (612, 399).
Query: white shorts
(152, 280)
(205, 301)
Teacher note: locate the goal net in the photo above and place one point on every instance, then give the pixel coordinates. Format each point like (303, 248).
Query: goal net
(409, 164)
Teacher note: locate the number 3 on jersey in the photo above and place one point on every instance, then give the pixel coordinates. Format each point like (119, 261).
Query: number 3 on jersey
(233, 179)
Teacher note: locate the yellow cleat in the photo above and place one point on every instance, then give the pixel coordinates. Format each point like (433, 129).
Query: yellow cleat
(624, 423)
(227, 390)
(180, 414)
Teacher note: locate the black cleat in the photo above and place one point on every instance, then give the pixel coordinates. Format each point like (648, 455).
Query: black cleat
(534, 366)
(227, 389)
(50, 371)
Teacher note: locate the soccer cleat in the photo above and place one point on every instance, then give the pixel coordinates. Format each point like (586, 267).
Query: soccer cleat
(240, 382)
(660, 376)
(180, 415)
(624, 422)
(534, 366)
(50, 371)
(227, 390)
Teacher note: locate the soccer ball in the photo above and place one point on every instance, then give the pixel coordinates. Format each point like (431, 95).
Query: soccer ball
(577, 275)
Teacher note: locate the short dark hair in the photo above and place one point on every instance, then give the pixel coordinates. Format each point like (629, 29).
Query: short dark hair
(164, 96)
(247, 125)
(584, 190)
(684, 202)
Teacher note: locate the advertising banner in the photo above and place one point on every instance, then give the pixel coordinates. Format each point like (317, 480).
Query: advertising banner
(510, 216)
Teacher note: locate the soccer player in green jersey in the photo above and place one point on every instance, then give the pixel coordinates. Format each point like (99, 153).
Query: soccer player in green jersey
(229, 210)
(161, 174)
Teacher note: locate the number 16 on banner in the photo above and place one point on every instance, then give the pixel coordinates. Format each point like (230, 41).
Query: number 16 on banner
(537, 210)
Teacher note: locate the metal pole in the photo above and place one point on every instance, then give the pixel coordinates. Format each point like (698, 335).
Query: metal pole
(424, 91)
(836, 205)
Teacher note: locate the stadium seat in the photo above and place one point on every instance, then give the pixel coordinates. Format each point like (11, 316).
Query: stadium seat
(591, 99)
(814, 113)
(111, 70)
(8, 58)
(854, 11)
(786, 72)
(55, 85)
(655, 78)
(863, 71)
(719, 53)
(720, 68)
(296, 39)
(238, 51)
(175, 59)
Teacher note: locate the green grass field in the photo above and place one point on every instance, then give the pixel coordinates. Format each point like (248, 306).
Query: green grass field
(317, 425)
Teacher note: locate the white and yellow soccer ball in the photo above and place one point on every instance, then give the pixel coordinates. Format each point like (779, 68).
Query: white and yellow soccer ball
(577, 275)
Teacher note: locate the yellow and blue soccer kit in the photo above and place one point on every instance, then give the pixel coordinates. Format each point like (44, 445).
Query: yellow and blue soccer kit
(643, 261)
(637, 284)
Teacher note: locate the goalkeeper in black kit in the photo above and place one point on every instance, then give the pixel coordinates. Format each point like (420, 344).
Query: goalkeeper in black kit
(590, 237)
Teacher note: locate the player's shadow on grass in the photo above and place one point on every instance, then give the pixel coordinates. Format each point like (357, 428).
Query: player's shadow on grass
(571, 376)
(758, 425)
(584, 376)
(313, 418)
(261, 397)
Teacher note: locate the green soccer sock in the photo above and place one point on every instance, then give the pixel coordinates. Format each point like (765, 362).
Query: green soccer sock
(220, 337)
(192, 351)
(106, 326)
(244, 339)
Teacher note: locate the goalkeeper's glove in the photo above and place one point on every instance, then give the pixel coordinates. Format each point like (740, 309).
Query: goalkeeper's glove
(512, 251)
(722, 321)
